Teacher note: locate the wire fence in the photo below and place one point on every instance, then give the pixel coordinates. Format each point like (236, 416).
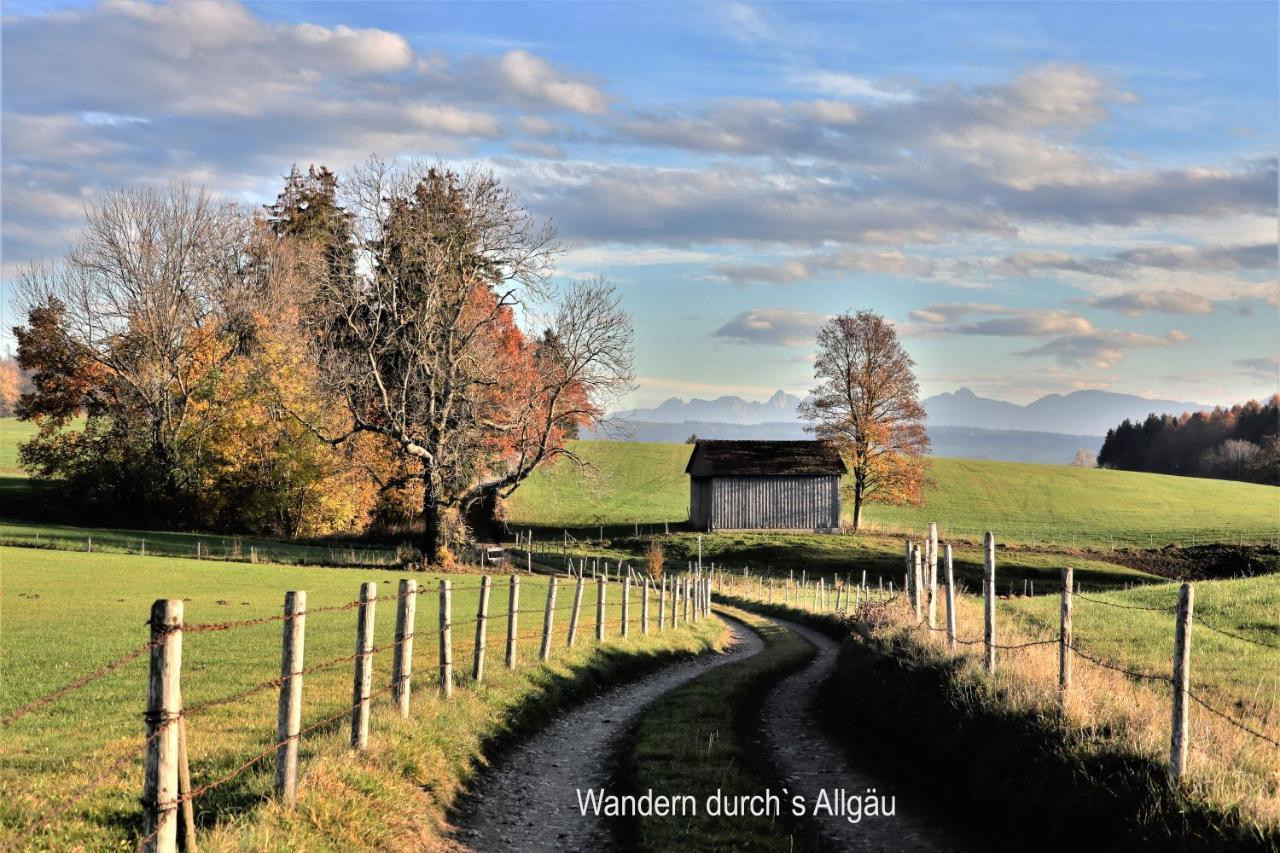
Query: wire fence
(457, 660)
(848, 599)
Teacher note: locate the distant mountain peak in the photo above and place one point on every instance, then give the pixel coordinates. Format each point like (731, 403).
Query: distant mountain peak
(727, 408)
(1083, 412)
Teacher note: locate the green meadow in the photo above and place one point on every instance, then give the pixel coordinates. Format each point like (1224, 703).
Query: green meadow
(628, 483)
(66, 614)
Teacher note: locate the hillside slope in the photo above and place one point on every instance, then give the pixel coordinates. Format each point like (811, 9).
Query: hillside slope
(645, 483)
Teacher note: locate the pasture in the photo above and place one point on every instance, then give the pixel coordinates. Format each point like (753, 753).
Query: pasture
(629, 483)
(67, 613)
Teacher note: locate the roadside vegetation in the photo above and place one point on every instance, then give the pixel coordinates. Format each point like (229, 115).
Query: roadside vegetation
(66, 614)
(1008, 736)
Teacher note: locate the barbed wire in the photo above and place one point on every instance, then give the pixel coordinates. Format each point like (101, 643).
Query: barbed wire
(1200, 623)
(1169, 610)
(82, 681)
(86, 790)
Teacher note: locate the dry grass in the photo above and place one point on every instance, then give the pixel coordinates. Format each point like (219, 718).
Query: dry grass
(1228, 768)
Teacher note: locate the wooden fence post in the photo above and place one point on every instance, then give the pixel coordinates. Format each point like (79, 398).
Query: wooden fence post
(1064, 642)
(644, 610)
(402, 654)
(662, 606)
(362, 684)
(548, 620)
(164, 705)
(513, 622)
(989, 601)
(686, 588)
(446, 639)
(931, 581)
(626, 605)
(933, 566)
(573, 614)
(917, 581)
(1181, 684)
(289, 718)
(951, 601)
(482, 634)
(675, 602)
(600, 596)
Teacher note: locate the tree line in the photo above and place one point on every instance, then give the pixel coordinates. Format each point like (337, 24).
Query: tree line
(1239, 443)
(355, 356)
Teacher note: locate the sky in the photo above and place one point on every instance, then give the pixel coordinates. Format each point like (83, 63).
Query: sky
(1041, 197)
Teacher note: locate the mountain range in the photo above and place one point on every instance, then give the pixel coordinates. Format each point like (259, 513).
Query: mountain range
(1083, 413)
(960, 423)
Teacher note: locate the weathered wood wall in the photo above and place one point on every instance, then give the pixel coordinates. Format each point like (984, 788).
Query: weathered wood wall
(745, 503)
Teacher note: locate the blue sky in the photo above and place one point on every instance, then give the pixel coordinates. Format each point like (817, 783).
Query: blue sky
(1042, 197)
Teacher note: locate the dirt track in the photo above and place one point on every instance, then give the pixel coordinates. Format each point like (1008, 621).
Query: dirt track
(810, 762)
(528, 800)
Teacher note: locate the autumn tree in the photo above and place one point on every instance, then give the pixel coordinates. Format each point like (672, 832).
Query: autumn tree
(161, 326)
(425, 351)
(11, 381)
(866, 401)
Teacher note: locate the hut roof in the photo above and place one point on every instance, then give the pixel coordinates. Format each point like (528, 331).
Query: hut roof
(764, 458)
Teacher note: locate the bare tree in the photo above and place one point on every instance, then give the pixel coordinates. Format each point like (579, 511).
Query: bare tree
(866, 402)
(1084, 459)
(422, 345)
(1233, 459)
(152, 298)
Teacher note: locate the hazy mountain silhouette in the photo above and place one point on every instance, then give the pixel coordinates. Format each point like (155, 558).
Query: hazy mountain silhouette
(1078, 413)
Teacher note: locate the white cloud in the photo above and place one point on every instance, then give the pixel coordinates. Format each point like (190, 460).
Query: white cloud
(772, 326)
(1136, 302)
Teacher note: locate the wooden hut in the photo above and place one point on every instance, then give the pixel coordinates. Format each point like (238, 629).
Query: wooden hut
(755, 485)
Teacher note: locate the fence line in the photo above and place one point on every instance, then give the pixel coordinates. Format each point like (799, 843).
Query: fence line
(168, 794)
(807, 594)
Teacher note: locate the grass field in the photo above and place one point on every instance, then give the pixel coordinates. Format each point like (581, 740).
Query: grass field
(637, 483)
(66, 614)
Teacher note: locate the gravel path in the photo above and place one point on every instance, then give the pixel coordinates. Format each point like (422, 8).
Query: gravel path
(528, 799)
(810, 762)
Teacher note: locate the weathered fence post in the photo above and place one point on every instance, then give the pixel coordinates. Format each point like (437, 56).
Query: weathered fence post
(548, 620)
(513, 622)
(1181, 683)
(1064, 642)
(662, 606)
(626, 605)
(675, 602)
(446, 639)
(362, 684)
(989, 601)
(687, 587)
(402, 654)
(601, 584)
(933, 569)
(164, 705)
(573, 613)
(951, 601)
(289, 718)
(644, 610)
(917, 583)
(482, 634)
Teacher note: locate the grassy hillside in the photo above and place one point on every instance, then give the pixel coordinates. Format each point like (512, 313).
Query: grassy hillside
(621, 482)
(645, 483)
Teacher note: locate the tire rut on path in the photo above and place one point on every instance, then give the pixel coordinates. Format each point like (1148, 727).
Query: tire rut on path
(810, 761)
(528, 799)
